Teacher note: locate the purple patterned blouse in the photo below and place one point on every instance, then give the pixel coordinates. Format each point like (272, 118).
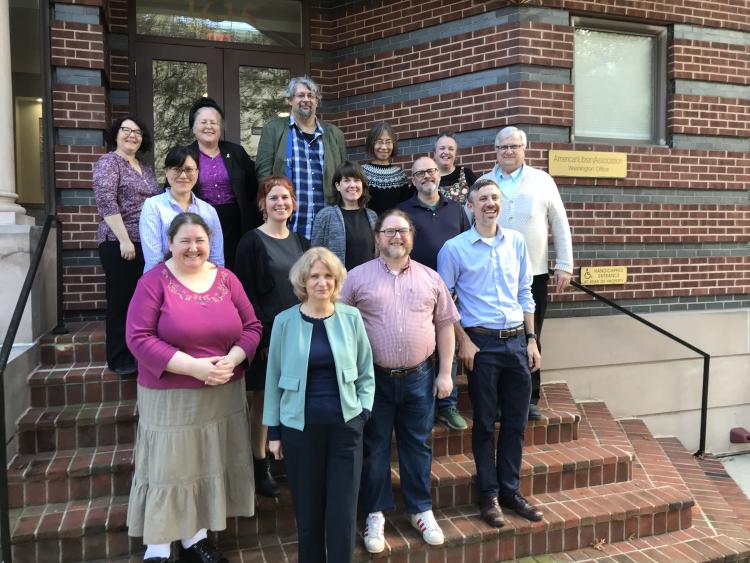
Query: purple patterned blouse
(119, 188)
(213, 178)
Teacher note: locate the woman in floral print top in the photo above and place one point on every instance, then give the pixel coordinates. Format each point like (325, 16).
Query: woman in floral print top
(455, 179)
(122, 182)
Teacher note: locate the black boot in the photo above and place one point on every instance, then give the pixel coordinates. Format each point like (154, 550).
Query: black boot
(265, 484)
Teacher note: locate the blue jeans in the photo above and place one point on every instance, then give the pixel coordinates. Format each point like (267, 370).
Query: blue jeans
(408, 406)
(500, 377)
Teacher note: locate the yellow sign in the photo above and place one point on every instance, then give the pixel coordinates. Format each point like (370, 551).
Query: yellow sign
(588, 164)
(604, 275)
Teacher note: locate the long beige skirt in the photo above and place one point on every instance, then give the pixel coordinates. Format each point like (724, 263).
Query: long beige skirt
(193, 464)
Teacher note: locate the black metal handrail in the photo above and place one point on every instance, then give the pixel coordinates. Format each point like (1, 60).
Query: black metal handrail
(706, 355)
(10, 337)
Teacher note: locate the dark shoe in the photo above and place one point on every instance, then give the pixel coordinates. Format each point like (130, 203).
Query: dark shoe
(126, 370)
(534, 412)
(202, 552)
(265, 484)
(490, 512)
(520, 506)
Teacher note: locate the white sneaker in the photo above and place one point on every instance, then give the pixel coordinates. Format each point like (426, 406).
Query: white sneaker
(426, 524)
(374, 532)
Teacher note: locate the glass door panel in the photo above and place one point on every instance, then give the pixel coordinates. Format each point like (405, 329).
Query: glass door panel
(168, 80)
(261, 93)
(176, 86)
(254, 88)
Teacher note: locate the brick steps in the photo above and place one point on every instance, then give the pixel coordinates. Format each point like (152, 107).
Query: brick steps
(61, 476)
(571, 521)
(93, 530)
(545, 469)
(76, 383)
(85, 425)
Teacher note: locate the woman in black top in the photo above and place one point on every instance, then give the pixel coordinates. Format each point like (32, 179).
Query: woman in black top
(346, 227)
(264, 257)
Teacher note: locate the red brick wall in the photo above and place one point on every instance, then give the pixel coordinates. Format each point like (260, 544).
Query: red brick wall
(484, 109)
(77, 45)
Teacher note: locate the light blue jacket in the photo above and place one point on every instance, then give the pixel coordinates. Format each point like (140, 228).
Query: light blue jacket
(286, 375)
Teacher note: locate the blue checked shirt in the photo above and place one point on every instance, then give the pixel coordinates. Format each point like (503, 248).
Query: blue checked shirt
(304, 166)
(156, 216)
(492, 282)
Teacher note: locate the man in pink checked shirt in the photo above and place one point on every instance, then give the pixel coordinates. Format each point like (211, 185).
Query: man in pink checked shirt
(406, 308)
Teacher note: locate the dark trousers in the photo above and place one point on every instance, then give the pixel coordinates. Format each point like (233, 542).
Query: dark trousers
(500, 377)
(231, 228)
(407, 406)
(539, 293)
(324, 466)
(120, 279)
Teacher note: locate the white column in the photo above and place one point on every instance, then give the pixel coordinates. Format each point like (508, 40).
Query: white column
(10, 212)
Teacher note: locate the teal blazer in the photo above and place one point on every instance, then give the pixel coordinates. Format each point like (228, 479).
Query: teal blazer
(286, 375)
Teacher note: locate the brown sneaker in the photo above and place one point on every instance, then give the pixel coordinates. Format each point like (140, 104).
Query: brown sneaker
(490, 512)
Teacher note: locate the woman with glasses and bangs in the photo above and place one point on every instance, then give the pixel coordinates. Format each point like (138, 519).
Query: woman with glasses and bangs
(122, 182)
(181, 166)
(388, 183)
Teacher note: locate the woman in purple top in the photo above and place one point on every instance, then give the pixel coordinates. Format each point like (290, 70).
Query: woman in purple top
(227, 176)
(122, 182)
(192, 328)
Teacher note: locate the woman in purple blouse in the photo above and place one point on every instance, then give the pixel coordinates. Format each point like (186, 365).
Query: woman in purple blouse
(227, 176)
(192, 328)
(122, 182)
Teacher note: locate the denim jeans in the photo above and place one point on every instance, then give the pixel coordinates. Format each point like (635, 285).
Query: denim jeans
(408, 406)
(500, 377)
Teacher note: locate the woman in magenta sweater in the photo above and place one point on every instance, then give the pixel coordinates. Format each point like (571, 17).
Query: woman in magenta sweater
(191, 328)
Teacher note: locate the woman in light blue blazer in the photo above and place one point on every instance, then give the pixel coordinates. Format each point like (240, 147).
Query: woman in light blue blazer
(320, 386)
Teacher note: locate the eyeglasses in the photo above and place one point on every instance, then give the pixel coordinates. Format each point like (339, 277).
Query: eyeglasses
(511, 148)
(187, 170)
(383, 143)
(128, 131)
(390, 233)
(305, 96)
(421, 173)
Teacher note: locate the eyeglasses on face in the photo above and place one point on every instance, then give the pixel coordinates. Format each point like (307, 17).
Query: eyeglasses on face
(187, 170)
(305, 96)
(421, 173)
(383, 143)
(390, 233)
(511, 148)
(128, 131)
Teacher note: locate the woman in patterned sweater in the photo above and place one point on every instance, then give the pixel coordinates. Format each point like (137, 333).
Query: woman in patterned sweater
(388, 183)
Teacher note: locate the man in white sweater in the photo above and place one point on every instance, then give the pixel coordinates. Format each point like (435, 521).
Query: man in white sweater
(532, 205)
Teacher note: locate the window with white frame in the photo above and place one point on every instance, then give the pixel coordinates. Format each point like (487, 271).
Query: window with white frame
(619, 80)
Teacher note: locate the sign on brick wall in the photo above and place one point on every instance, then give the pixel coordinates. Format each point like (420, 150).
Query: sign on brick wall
(588, 164)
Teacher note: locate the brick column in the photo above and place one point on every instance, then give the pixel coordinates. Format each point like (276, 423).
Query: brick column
(10, 212)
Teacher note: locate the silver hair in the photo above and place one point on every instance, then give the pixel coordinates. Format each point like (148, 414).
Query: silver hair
(305, 81)
(507, 131)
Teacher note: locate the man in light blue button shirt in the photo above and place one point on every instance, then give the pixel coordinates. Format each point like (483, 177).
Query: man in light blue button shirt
(487, 269)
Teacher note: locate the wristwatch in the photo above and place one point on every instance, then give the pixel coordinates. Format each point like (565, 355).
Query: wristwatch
(530, 335)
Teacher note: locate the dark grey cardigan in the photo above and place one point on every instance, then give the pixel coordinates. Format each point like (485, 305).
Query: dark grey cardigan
(328, 230)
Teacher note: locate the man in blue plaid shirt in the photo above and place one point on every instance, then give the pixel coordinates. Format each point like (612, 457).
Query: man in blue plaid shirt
(305, 149)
